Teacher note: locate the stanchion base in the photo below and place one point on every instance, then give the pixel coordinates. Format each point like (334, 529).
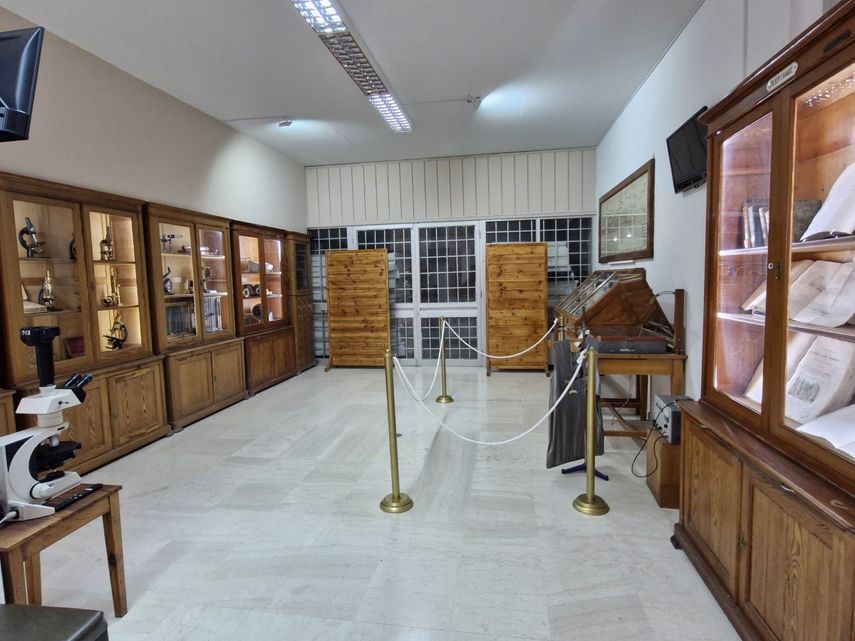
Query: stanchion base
(595, 507)
(444, 398)
(396, 506)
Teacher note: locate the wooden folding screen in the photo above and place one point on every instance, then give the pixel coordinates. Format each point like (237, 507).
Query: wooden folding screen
(516, 304)
(358, 307)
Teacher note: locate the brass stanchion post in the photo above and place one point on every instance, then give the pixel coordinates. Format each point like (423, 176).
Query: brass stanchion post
(394, 502)
(444, 397)
(589, 503)
(560, 331)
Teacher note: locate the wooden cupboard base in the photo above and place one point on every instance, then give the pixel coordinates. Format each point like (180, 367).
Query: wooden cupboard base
(184, 421)
(736, 616)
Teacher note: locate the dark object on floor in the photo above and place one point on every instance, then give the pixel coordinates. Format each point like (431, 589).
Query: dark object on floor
(38, 623)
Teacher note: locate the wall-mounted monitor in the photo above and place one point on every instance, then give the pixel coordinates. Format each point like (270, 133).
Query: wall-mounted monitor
(19, 65)
(687, 150)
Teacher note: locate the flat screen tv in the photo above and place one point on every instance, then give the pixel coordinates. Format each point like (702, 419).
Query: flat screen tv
(19, 65)
(687, 149)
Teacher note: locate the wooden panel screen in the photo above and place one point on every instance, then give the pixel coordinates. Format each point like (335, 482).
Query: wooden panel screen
(516, 304)
(358, 307)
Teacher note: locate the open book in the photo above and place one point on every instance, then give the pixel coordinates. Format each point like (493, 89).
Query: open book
(837, 428)
(822, 293)
(836, 217)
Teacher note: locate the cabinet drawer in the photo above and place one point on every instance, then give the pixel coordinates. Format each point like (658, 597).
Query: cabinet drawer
(190, 383)
(797, 579)
(228, 371)
(712, 486)
(136, 403)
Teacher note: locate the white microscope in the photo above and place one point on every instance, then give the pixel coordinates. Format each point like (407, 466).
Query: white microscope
(29, 459)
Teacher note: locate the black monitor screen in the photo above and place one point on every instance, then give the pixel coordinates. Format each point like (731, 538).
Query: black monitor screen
(19, 65)
(687, 149)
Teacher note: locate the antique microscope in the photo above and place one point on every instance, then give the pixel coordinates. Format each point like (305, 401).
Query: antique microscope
(29, 240)
(29, 459)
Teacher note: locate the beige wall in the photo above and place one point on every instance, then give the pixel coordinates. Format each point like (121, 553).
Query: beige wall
(95, 126)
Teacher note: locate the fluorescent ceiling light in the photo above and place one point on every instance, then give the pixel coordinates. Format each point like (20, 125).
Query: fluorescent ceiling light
(321, 15)
(391, 111)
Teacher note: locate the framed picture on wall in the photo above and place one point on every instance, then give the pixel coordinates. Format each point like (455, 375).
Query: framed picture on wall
(626, 218)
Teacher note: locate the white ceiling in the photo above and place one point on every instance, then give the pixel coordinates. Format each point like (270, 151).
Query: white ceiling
(552, 73)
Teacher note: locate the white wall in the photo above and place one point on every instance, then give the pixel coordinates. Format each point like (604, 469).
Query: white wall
(95, 126)
(540, 182)
(724, 42)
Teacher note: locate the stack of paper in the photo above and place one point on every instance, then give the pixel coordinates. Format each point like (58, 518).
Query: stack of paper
(836, 217)
(837, 428)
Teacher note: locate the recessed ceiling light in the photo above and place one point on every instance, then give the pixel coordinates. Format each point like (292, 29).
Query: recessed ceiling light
(287, 122)
(321, 15)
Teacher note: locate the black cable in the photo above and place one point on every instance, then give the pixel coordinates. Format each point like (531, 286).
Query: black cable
(644, 444)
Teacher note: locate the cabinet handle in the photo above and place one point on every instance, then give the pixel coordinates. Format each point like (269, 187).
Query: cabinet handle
(787, 489)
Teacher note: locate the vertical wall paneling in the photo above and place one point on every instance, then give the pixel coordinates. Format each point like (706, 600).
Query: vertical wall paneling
(370, 193)
(383, 195)
(531, 183)
(443, 184)
(535, 184)
(575, 186)
(482, 186)
(419, 195)
(431, 190)
(358, 194)
(520, 184)
(312, 217)
(324, 195)
(335, 196)
(455, 176)
(547, 178)
(562, 186)
(589, 183)
(508, 185)
(406, 191)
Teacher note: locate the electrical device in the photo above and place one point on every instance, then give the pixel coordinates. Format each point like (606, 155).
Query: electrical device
(20, 51)
(687, 150)
(29, 459)
(667, 417)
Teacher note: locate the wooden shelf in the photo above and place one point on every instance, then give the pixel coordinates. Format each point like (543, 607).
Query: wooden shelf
(212, 257)
(844, 333)
(172, 254)
(174, 296)
(59, 261)
(109, 307)
(117, 263)
(56, 313)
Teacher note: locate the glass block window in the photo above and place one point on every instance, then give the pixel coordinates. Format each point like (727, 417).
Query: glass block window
(403, 338)
(397, 243)
(511, 231)
(322, 343)
(324, 240)
(447, 264)
(569, 253)
(466, 326)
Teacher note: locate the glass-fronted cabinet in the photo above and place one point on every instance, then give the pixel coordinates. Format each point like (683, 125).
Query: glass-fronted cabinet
(192, 290)
(780, 332)
(260, 277)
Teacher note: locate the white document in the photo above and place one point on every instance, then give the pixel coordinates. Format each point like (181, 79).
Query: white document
(838, 428)
(823, 381)
(837, 214)
(798, 344)
(824, 294)
(757, 300)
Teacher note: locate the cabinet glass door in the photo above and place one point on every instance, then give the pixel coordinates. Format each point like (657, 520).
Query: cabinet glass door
(115, 280)
(214, 282)
(273, 293)
(50, 259)
(820, 374)
(301, 266)
(177, 286)
(742, 237)
(251, 264)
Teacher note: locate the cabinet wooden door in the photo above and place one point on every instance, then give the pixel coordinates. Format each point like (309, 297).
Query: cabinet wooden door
(228, 369)
(136, 403)
(89, 424)
(259, 360)
(190, 382)
(796, 582)
(712, 483)
(284, 356)
(7, 413)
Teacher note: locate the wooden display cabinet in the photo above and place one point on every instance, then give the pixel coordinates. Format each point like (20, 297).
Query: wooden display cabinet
(193, 312)
(7, 412)
(262, 304)
(776, 419)
(300, 297)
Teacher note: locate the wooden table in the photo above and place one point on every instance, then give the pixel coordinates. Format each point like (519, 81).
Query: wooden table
(643, 366)
(21, 543)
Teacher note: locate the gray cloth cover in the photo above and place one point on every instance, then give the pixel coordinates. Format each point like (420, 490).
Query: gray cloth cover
(568, 423)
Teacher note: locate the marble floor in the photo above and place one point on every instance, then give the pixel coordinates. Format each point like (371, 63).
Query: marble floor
(262, 522)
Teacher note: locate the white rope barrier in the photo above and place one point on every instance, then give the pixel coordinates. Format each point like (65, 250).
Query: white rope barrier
(435, 370)
(405, 381)
(525, 351)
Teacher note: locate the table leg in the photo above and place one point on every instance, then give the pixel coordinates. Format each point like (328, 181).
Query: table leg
(115, 556)
(643, 390)
(14, 583)
(33, 570)
(678, 386)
